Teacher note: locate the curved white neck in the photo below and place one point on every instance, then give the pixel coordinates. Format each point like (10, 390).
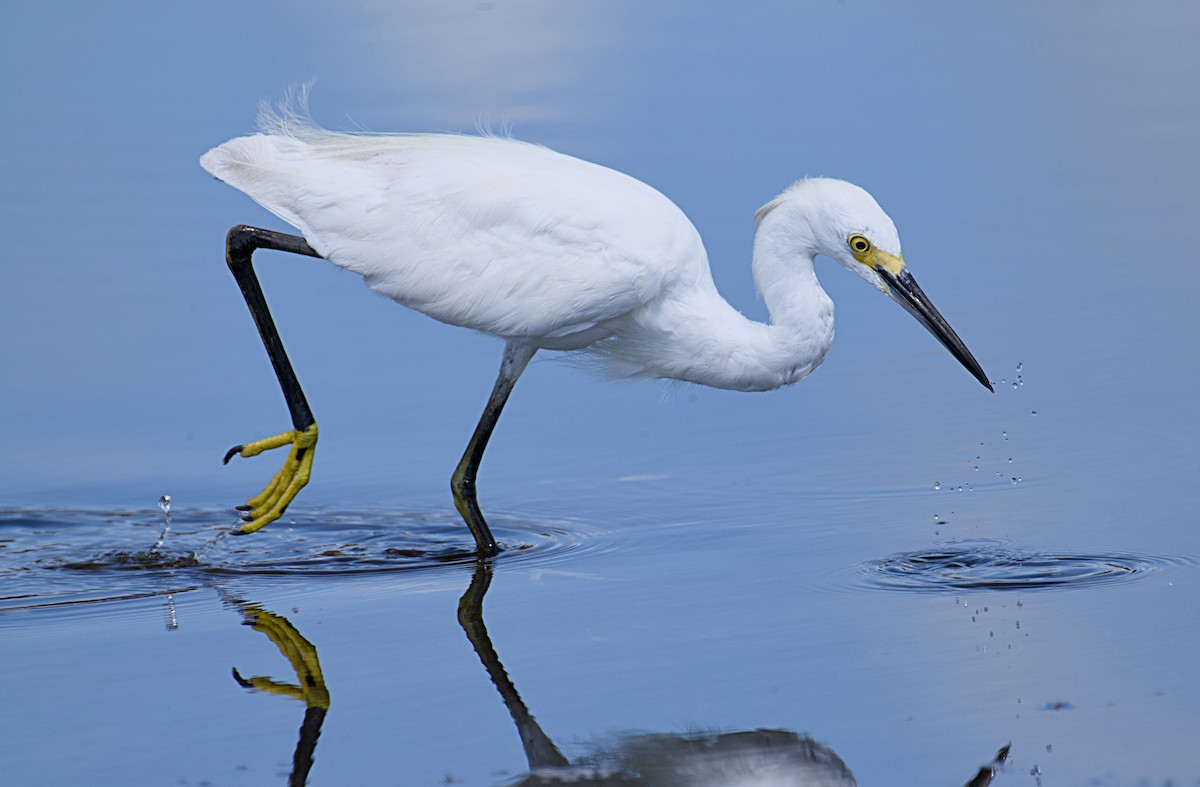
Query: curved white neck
(700, 338)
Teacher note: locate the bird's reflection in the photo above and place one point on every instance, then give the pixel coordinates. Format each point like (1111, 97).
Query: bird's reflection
(781, 758)
(988, 772)
(309, 687)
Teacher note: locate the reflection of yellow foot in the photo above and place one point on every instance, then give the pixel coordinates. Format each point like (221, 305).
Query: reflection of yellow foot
(269, 504)
(297, 650)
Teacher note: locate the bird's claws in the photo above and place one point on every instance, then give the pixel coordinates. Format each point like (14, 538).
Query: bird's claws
(231, 453)
(269, 504)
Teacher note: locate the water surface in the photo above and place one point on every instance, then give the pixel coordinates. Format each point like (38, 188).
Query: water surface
(884, 574)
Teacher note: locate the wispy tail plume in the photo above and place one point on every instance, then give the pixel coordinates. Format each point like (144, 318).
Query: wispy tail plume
(289, 116)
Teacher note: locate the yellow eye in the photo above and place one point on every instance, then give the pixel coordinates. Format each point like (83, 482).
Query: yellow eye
(858, 244)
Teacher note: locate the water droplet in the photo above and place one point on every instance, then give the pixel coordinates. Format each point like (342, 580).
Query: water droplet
(976, 468)
(164, 503)
(937, 485)
(172, 620)
(1010, 460)
(1005, 435)
(1033, 412)
(1015, 384)
(1014, 479)
(1020, 366)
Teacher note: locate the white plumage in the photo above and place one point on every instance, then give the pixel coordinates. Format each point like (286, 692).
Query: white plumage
(551, 252)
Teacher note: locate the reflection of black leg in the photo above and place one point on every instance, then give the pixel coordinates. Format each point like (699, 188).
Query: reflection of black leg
(302, 760)
(540, 751)
(462, 483)
(270, 504)
(309, 688)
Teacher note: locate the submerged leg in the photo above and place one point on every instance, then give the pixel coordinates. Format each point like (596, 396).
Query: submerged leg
(516, 358)
(269, 505)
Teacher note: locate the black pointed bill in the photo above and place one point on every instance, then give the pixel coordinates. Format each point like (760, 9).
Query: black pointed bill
(904, 290)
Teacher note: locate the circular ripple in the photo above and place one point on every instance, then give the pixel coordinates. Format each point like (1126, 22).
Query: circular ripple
(50, 557)
(363, 542)
(993, 565)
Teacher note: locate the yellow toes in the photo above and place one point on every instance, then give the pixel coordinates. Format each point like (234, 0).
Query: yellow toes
(269, 504)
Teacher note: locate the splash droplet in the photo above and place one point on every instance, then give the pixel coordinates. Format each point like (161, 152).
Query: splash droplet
(164, 503)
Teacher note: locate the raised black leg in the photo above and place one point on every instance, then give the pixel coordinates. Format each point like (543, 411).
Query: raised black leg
(269, 505)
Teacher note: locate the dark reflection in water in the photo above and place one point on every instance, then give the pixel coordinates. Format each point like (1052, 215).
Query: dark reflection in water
(52, 561)
(781, 758)
(310, 681)
(994, 565)
(989, 771)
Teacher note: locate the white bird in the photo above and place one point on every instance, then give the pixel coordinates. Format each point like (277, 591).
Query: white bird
(547, 252)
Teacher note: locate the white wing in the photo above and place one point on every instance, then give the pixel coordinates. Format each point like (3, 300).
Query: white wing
(491, 234)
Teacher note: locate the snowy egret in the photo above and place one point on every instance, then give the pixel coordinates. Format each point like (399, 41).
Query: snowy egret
(547, 252)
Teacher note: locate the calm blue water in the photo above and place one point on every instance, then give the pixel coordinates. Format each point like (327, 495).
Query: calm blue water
(885, 559)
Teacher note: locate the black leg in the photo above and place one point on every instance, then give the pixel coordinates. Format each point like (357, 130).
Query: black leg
(462, 483)
(270, 504)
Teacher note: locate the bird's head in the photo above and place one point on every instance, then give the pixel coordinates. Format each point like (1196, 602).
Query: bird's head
(845, 223)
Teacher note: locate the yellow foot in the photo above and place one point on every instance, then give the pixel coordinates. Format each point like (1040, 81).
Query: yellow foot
(269, 504)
